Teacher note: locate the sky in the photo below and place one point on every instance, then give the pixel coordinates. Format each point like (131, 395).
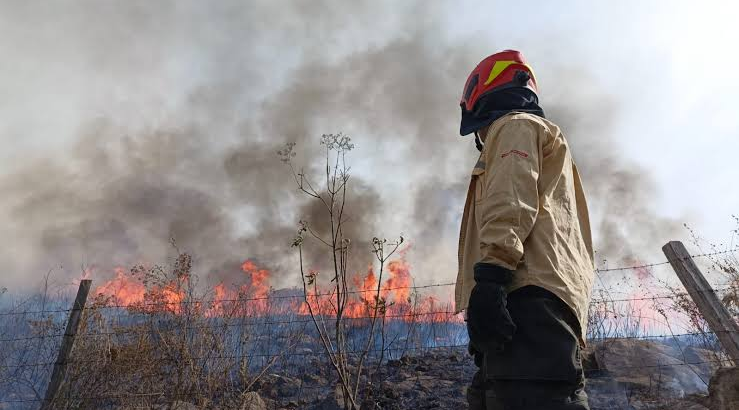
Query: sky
(667, 68)
(125, 124)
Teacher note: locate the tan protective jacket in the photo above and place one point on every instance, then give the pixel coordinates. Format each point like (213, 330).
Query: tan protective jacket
(526, 211)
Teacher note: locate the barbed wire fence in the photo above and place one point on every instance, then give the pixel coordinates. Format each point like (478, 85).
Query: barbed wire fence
(172, 344)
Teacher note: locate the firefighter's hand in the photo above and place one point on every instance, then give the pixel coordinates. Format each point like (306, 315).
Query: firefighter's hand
(488, 322)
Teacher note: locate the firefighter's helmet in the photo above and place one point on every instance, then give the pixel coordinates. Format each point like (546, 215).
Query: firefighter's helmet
(500, 71)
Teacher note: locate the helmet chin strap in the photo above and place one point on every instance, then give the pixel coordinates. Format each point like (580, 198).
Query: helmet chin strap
(478, 143)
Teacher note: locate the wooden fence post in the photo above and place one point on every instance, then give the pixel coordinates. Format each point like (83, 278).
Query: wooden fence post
(73, 323)
(715, 313)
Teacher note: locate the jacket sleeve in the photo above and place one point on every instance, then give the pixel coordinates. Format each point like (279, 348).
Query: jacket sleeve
(509, 199)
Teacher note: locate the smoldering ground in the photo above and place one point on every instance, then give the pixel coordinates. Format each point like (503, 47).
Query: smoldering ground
(195, 101)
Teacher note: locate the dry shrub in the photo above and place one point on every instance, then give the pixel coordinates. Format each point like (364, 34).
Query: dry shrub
(167, 349)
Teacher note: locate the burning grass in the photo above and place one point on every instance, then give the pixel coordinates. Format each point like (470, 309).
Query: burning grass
(148, 338)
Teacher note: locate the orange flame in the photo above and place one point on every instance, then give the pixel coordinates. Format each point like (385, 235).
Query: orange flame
(128, 291)
(393, 298)
(258, 287)
(123, 289)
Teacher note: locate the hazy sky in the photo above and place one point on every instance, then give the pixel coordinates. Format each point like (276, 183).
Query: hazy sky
(667, 64)
(646, 88)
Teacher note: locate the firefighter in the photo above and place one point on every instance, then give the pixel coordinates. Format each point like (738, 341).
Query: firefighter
(525, 251)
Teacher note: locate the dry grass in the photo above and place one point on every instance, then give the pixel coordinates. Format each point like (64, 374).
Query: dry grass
(155, 352)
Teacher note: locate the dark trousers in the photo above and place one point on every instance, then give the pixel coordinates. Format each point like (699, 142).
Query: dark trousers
(541, 369)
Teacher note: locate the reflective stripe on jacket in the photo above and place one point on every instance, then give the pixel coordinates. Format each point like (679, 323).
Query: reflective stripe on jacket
(526, 211)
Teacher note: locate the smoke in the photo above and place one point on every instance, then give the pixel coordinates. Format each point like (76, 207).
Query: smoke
(622, 194)
(181, 108)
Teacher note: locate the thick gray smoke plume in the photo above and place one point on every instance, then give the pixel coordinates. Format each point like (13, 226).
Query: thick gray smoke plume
(188, 104)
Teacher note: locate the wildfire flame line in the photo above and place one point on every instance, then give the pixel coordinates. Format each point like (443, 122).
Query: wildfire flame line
(396, 295)
(114, 306)
(271, 297)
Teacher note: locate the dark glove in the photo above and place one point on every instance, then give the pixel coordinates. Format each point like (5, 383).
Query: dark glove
(488, 322)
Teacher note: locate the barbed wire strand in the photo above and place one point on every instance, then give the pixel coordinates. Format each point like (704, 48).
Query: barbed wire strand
(650, 265)
(446, 315)
(241, 323)
(138, 305)
(307, 320)
(143, 306)
(322, 353)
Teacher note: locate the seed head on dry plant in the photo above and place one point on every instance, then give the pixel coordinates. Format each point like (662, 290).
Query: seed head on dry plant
(724, 263)
(328, 310)
(676, 303)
